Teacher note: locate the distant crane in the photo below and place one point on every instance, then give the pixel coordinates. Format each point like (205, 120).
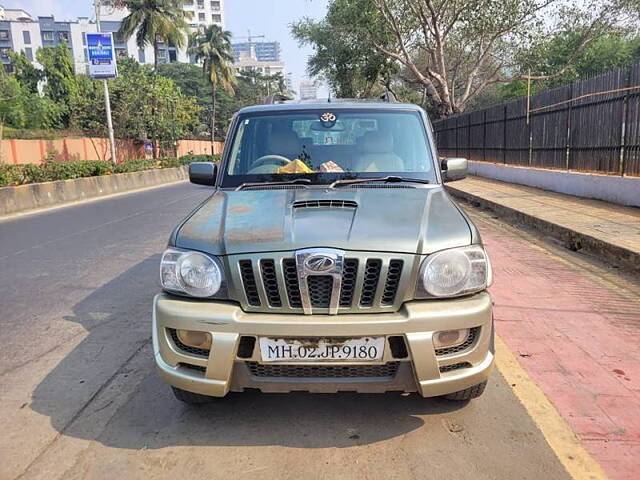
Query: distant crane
(249, 37)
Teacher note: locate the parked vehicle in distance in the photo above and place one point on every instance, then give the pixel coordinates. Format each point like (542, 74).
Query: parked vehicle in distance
(328, 258)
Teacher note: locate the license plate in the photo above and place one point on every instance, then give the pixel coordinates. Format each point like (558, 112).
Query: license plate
(365, 349)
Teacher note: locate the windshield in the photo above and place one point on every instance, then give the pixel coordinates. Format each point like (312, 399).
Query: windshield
(328, 145)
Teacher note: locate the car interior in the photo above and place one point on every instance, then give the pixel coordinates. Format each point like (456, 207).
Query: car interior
(268, 144)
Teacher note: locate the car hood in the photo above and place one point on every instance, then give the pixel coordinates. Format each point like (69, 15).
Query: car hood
(403, 220)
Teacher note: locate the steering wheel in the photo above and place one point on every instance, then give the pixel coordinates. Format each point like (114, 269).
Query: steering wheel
(277, 160)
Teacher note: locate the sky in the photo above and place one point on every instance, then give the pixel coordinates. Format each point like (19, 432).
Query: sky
(263, 17)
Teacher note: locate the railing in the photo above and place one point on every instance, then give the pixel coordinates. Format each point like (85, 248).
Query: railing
(592, 125)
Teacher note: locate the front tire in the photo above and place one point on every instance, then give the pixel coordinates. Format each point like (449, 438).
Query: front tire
(468, 393)
(190, 397)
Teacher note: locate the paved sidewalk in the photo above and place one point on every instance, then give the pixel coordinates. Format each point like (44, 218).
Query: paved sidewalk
(604, 229)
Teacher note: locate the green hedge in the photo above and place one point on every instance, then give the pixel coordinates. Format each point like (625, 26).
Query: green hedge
(51, 171)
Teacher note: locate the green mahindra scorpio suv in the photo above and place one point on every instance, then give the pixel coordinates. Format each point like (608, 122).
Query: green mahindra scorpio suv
(328, 258)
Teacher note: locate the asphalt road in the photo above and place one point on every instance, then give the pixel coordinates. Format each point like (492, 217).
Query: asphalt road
(79, 397)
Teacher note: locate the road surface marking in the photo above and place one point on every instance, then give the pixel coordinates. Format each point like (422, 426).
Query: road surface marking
(562, 440)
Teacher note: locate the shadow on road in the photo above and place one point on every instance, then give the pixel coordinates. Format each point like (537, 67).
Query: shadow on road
(117, 317)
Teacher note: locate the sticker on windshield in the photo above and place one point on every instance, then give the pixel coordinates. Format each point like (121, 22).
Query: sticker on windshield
(328, 119)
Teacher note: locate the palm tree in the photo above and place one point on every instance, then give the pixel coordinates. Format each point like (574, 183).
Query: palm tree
(153, 21)
(212, 46)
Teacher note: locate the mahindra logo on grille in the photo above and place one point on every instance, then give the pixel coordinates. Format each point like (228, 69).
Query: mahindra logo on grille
(319, 263)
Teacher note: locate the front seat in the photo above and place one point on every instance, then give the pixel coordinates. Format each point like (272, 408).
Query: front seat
(376, 154)
(284, 143)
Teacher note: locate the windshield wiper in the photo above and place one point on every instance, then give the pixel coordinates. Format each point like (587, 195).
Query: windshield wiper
(259, 184)
(388, 178)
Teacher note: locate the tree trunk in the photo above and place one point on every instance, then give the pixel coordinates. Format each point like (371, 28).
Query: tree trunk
(1, 137)
(213, 120)
(154, 103)
(155, 54)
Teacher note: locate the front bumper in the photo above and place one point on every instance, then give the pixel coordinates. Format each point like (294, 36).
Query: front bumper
(421, 369)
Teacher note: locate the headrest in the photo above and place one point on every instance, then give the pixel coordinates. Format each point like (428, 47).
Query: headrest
(376, 142)
(284, 143)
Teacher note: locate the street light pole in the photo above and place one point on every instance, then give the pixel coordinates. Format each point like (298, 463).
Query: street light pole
(107, 100)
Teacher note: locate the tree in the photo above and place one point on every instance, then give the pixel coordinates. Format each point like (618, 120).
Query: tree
(153, 21)
(455, 49)
(143, 104)
(212, 46)
(61, 82)
(25, 72)
(11, 107)
(352, 67)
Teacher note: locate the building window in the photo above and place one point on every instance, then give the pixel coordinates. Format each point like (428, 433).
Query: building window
(173, 56)
(162, 56)
(216, 17)
(200, 3)
(141, 58)
(215, 5)
(188, 3)
(84, 38)
(29, 53)
(4, 52)
(63, 36)
(47, 36)
(26, 36)
(86, 56)
(201, 17)
(4, 34)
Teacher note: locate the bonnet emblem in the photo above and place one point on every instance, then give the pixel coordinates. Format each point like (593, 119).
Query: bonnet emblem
(319, 263)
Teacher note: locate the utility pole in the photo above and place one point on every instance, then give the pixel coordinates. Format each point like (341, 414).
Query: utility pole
(107, 101)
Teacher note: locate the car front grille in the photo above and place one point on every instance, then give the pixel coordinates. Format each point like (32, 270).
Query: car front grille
(455, 366)
(368, 283)
(387, 370)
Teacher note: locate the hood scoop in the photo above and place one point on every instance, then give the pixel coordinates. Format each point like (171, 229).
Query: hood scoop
(315, 204)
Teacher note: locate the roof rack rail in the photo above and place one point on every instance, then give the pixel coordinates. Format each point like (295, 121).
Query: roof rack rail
(279, 97)
(388, 97)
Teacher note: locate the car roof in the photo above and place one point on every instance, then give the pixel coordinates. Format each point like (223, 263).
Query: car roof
(332, 105)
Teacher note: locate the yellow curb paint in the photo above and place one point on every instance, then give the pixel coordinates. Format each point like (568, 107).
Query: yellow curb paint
(562, 440)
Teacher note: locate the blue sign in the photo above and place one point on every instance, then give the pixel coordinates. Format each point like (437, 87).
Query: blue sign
(102, 58)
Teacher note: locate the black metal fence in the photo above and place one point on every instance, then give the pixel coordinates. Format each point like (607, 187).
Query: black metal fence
(592, 125)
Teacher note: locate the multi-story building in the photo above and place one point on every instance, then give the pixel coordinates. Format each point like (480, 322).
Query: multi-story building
(20, 32)
(264, 51)
(309, 89)
(248, 60)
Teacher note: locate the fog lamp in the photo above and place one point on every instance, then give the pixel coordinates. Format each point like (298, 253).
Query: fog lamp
(450, 338)
(195, 339)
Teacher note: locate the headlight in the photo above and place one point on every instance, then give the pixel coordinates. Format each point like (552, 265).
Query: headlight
(190, 273)
(454, 272)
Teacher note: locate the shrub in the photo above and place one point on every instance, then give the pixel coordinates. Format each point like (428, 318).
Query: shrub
(185, 160)
(50, 171)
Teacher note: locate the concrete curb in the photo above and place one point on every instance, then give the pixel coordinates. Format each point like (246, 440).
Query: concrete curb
(572, 239)
(609, 188)
(38, 195)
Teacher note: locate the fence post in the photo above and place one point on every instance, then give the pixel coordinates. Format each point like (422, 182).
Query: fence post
(567, 155)
(504, 136)
(530, 134)
(484, 135)
(625, 122)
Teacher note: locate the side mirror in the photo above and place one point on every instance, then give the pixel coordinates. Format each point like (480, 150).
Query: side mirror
(203, 173)
(454, 169)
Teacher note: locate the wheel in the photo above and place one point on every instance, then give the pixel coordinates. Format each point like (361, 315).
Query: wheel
(190, 397)
(467, 393)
